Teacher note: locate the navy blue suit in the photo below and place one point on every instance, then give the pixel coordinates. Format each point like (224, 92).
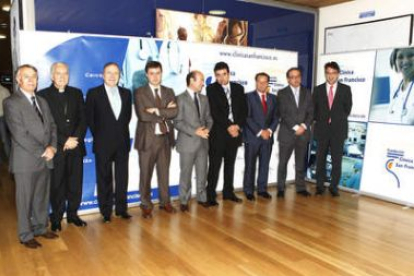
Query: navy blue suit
(255, 145)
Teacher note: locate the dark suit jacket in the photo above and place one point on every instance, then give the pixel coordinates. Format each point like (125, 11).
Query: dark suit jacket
(145, 133)
(341, 108)
(30, 136)
(290, 114)
(256, 119)
(220, 109)
(71, 124)
(109, 134)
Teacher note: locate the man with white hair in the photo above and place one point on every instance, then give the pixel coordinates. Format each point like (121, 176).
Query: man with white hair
(34, 139)
(68, 110)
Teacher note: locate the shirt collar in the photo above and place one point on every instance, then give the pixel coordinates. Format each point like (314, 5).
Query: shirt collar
(28, 95)
(191, 92)
(295, 89)
(154, 87)
(328, 86)
(111, 89)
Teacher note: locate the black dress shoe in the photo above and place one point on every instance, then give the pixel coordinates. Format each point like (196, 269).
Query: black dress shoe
(48, 235)
(77, 221)
(304, 193)
(319, 192)
(204, 204)
(212, 203)
(32, 244)
(281, 194)
(334, 193)
(106, 219)
(265, 195)
(233, 198)
(184, 207)
(56, 226)
(250, 197)
(124, 215)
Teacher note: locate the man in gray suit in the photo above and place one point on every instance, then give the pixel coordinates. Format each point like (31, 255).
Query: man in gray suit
(156, 107)
(193, 123)
(34, 141)
(295, 109)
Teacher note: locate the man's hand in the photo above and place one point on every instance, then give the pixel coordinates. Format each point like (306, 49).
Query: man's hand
(152, 110)
(71, 143)
(300, 131)
(172, 104)
(49, 153)
(233, 130)
(265, 134)
(203, 132)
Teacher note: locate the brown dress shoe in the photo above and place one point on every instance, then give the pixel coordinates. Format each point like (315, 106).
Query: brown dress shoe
(168, 208)
(32, 244)
(48, 235)
(146, 212)
(184, 207)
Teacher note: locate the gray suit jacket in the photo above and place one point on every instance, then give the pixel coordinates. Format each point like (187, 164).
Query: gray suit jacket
(187, 121)
(143, 99)
(291, 115)
(30, 136)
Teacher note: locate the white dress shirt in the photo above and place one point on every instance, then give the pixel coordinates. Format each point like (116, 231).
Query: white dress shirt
(114, 99)
(260, 97)
(29, 96)
(296, 95)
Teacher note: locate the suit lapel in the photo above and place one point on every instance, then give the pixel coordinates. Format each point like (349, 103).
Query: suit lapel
(302, 97)
(105, 98)
(29, 106)
(259, 103)
(292, 97)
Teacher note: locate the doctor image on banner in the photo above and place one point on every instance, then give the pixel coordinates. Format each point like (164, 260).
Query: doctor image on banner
(139, 51)
(401, 108)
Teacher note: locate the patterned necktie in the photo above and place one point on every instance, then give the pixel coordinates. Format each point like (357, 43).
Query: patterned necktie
(264, 104)
(36, 108)
(197, 104)
(163, 126)
(228, 96)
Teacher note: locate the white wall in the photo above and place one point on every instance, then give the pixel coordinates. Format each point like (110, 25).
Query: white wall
(348, 13)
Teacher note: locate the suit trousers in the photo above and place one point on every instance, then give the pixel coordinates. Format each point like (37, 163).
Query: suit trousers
(104, 178)
(336, 147)
(187, 162)
(32, 200)
(224, 149)
(262, 150)
(66, 185)
(300, 146)
(159, 155)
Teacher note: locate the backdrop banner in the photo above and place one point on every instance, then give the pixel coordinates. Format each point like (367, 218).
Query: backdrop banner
(87, 54)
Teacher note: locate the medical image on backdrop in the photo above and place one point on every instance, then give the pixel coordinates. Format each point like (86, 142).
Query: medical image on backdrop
(392, 97)
(353, 155)
(195, 27)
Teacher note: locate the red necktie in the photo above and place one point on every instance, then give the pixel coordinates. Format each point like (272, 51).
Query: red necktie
(330, 99)
(264, 104)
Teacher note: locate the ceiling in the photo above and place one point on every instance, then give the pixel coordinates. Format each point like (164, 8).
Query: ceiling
(313, 3)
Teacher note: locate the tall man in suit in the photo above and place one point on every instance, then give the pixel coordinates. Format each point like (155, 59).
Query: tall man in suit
(332, 106)
(295, 109)
(193, 123)
(229, 110)
(108, 112)
(156, 106)
(34, 143)
(67, 107)
(261, 123)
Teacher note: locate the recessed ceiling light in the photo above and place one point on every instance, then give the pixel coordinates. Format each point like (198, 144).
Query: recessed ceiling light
(2, 36)
(217, 12)
(6, 8)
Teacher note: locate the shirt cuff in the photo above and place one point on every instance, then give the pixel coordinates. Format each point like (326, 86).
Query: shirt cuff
(304, 126)
(258, 134)
(295, 127)
(157, 112)
(271, 132)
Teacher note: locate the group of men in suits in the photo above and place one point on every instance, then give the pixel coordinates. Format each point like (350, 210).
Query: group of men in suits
(48, 129)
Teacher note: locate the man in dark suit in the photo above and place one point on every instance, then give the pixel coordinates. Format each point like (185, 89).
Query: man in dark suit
(229, 110)
(193, 123)
(156, 106)
(332, 106)
(34, 140)
(295, 109)
(67, 107)
(261, 123)
(108, 112)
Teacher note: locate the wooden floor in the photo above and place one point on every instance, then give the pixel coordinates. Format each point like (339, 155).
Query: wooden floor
(295, 236)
